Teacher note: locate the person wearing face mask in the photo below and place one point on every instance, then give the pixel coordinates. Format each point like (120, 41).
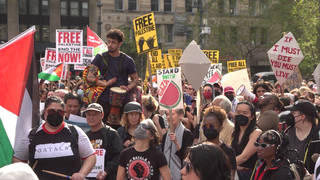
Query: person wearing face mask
(213, 120)
(57, 146)
(229, 93)
(244, 135)
(143, 160)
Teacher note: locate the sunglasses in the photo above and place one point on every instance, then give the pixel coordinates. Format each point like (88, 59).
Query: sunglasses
(53, 111)
(188, 166)
(263, 145)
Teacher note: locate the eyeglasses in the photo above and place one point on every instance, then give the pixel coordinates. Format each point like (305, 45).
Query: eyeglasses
(188, 166)
(53, 111)
(263, 145)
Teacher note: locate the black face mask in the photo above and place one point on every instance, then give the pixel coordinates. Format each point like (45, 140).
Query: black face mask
(230, 97)
(216, 93)
(210, 133)
(241, 119)
(54, 119)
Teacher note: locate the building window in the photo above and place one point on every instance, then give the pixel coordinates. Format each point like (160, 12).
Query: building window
(132, 5)
(63, 8)
(169, 33)
(167, 5)
(221, 7)
(252, 7)
(234, 34)
(74, 8)
(154, 5)
(45, 7)
(263, 36)
(264, 6)
(22, 7)
(3, 32)
(253, 35)
(34, 7)
(188, 5)
(44, 33)
(118, 4)
(233, 7)
(222, 34)
(3, 7)
(85, 9)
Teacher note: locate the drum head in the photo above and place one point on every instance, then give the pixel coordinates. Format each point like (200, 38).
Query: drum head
(118, 90)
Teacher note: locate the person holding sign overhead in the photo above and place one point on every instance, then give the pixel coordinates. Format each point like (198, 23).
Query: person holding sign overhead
(115, 68)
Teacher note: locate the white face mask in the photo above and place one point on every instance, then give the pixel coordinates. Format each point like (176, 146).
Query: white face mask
(80, 92)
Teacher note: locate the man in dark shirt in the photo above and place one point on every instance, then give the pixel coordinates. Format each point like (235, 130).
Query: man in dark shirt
(115, 68)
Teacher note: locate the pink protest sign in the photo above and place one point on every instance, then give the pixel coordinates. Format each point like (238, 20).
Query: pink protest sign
(284, 57)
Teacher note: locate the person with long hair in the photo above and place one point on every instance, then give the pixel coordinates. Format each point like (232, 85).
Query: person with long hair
(143, 160)
(205, 162)
(132, 116)
(244, 136)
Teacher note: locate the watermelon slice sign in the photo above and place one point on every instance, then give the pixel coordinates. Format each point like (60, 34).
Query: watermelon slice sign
(170, 94)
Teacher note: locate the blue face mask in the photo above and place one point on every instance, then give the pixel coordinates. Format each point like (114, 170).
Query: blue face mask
(80, 92)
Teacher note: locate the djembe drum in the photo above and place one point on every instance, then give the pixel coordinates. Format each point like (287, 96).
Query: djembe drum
(116, 99)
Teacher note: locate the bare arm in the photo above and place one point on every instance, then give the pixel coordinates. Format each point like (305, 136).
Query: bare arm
(250, 149)
(134, 80)
(87, 165)
(105, 83)
(15, 160)
(121, 174)
(165, 172)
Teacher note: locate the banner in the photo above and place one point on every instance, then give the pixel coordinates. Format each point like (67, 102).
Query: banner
(145, 33)
(213, 75)
(236, 65)
(213, 55)
(69, 44)
(87, 57)
(169, 88)
(176, 55)
(284, 57)
(156, 60)
(99, 166)
(96, 42)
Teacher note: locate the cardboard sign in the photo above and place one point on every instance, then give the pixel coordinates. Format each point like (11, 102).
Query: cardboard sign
(236, 79)
(213, 55)
(316, 76)
(156, 60)
(284, 57)
(99, 166)
(87, 57)
(96, 42)
(69, 44)
(294, 81)
(169, 88)
(236, 65)
(176, 55)
(50, 56)
(145, 33)
(213, 75)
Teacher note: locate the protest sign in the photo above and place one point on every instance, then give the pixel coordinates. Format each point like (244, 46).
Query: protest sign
(87, 57)
(145, 33)
(213, 75)
(168, 60)
(236, 65)
(284, 57)
(96, 42)
(156, 60)
(169, 88)
(213, 55)
(316, 76)
(294, 81)
(176, 55)
(99, 166)
(69, 46)
(236, 79)
(50, 56)
(42, 61)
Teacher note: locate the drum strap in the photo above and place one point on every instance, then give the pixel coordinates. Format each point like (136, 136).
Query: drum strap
(105, 59)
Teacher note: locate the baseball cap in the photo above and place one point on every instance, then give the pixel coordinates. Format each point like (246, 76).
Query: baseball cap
(305, 107)
(94, 107)
(228, 89)
(132, 107)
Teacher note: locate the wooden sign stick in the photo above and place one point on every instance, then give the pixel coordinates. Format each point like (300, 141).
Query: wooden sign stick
(57, 174)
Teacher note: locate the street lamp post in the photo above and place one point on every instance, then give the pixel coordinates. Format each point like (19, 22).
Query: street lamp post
(99, 23)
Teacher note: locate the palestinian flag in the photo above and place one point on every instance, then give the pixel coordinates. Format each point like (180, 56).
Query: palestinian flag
(52, 74)
(96, 42)
(16, 110)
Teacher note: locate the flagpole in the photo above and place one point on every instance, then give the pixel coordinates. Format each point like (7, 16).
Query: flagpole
(35, 92)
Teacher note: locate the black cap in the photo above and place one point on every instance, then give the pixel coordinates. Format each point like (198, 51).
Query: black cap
(305, 107)
(132, 107)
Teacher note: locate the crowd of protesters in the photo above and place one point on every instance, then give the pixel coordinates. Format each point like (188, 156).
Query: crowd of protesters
(274, 135)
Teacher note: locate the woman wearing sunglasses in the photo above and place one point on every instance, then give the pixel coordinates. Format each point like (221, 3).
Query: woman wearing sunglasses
(272, 166)
(205, 162)
(244, 135)
(213, 119)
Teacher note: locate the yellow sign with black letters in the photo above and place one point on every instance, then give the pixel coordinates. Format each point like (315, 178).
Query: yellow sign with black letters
(236, 65)
(176, 55)
(213, 55)
(155, 60)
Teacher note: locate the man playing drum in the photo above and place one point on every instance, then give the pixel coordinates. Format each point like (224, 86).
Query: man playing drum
(115, 68)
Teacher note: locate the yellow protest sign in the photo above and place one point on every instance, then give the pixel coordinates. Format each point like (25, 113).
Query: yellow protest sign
(176, 55)
(155, 60)
(168, 60)
(145, 33)
(213, 55)
(236, 65)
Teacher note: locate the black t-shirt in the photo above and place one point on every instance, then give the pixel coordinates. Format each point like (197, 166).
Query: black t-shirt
(142, 165)
(231, 155)
(113, 70)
